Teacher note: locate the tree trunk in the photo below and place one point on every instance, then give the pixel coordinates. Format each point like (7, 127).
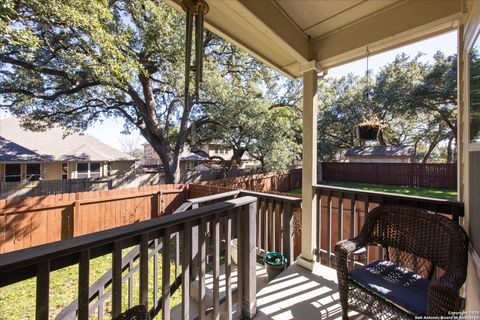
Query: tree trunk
(236, 158)
(433, 143)
(170, 167)
(449, 150)
(429, 151)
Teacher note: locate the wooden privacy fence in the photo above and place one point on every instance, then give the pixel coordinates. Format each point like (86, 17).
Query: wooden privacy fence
(415, 175)
(10, 190)
(38, 220)
(265, 182)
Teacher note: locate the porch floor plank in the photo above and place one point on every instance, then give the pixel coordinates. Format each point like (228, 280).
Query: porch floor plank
(300, 294)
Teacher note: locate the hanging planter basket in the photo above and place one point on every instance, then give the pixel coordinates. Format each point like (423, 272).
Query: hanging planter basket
(368, 132)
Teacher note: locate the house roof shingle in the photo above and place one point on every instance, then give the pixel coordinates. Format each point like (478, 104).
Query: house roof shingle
(20, 145)
(381, 151)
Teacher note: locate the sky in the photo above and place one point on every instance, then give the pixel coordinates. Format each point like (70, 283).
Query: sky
(109, 131)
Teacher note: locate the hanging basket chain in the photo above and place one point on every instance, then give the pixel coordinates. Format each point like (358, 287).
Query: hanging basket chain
(368, 76)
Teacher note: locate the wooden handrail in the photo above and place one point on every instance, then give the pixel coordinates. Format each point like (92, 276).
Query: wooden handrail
(271, 196)
(214, 197)
(17, 265)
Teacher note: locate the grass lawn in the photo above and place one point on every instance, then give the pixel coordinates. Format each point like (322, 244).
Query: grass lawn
(17, 301)
(421, 192)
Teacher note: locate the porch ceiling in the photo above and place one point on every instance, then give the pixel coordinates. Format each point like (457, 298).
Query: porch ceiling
(287, 34)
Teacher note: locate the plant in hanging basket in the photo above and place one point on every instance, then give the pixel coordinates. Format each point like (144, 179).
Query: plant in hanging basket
(368, 129)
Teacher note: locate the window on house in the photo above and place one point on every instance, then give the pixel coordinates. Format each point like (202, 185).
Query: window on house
(109, 168)
(88, 170)
(13, 172)
(94, 169)
(82, 170)
(33, 171)
(64, 171)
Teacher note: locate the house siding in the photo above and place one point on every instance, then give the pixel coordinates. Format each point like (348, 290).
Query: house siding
(121, 167)
(381, 159)
(52, 171)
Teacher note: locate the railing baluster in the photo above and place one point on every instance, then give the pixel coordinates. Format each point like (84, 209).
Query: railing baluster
(272, 225)
(247, 273)
(228, 266)
(366, 205)
(289, 232)
(329, 228)
(130, 286)
(319, 225)
(166, 274)
(100, 303)
(144, 269)
(202, 252)
(259, 224)
(281, 227)
(43, 290)
(340, 216)
(117, 278)
(381, 249)
(352, 225)
(177, 254)
(240, 261)
(155, 273)
(216, 268)
(83, 284)
(194, 249)
(186, 247)
(265, 226)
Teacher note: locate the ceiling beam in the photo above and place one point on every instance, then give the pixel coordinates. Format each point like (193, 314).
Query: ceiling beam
(405, 23)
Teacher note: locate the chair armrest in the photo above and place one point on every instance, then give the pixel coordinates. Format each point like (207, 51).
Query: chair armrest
(443, 294)
(344, 248)
(349, 246)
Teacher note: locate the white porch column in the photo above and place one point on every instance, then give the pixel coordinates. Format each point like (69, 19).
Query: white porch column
(309, 167)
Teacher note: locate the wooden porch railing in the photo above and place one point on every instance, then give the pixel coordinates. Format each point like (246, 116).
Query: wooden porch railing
(275, 219)
(275, 223)
(341, 215)
(152, 238)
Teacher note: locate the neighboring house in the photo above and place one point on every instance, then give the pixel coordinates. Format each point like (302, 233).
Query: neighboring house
(50, 155)
(217, 149)
(190, 160)
(392, 154)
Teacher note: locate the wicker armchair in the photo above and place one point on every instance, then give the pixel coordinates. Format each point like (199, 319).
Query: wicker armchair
(402, 284)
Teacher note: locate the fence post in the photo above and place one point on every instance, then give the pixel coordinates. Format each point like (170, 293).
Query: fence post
(76, 217)
(247, 250)
(194, 248)
(159, 203)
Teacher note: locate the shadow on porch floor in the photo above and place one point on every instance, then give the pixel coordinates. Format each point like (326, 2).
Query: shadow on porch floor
(300, 294)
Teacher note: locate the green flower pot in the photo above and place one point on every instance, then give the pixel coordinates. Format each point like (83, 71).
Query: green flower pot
(274, 263)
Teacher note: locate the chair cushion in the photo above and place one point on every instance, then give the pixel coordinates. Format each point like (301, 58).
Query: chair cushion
(398, 285)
